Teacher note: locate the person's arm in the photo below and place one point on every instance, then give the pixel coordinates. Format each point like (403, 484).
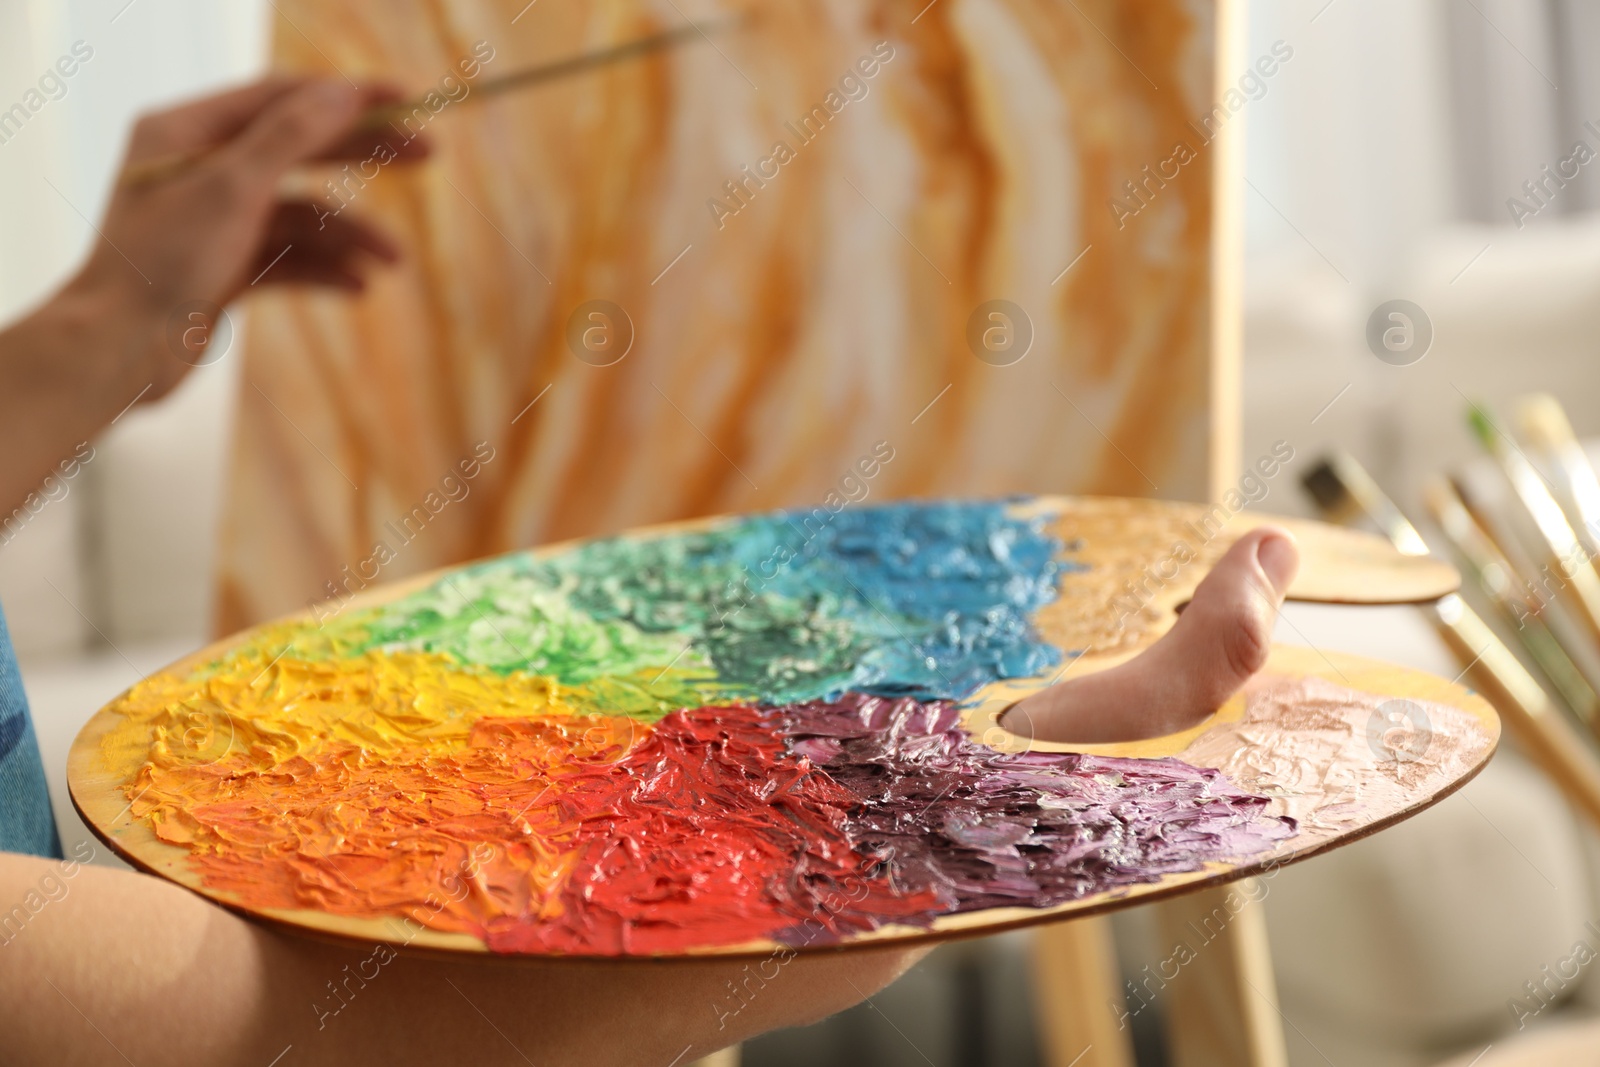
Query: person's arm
(197, 237)
(126, 968)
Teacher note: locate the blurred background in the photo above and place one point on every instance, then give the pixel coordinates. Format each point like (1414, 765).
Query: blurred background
(1385, 160)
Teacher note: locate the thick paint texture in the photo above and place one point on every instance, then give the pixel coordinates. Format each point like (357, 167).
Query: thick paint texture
(644, 746)
(928, 600)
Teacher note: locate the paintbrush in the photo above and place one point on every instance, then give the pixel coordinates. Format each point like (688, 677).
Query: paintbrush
(1494, 671)
(1554, 609)
(1522, 614)
(154, 170)
(1574, 571)
(1346, 494)
(1542, 425)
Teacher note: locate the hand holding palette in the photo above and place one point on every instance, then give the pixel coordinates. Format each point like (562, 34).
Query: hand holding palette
(759, 734)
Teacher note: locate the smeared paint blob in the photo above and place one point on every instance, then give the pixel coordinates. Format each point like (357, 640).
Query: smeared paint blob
(650, 744)
(1294, 743)
(980, 828)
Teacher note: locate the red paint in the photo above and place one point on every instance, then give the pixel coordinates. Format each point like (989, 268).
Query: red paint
(709, 834)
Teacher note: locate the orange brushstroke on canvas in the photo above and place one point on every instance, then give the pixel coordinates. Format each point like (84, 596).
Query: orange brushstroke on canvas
(828, 313)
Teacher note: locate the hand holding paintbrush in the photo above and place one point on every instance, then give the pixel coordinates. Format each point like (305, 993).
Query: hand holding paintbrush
(387, 107)
(188, 245)
(188, 135)
(197, 217)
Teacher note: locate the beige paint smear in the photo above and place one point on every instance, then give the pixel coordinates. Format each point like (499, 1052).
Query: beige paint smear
(1336, 758)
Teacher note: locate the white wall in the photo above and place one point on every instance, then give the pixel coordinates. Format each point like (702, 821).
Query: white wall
(1351, 143)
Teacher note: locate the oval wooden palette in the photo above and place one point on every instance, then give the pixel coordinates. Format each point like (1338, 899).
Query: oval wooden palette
(426, 721)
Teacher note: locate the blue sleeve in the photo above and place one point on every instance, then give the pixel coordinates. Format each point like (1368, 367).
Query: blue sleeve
(26, 823)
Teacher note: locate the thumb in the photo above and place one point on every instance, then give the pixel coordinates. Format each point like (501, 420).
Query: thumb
(1225, 634)
(298, 126)
(1221, 639)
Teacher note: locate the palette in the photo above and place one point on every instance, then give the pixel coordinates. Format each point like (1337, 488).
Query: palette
(758, 735)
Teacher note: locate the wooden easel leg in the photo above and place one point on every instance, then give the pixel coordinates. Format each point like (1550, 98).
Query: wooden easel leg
(1076, 987)
(1221, 1007)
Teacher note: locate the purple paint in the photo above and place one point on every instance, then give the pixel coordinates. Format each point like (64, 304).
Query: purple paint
(980, 829)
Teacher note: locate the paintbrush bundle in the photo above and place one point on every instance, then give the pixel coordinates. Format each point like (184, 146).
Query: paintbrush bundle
(1530, 535)
(1345, 492)
(1526, 533)
(1525, 530)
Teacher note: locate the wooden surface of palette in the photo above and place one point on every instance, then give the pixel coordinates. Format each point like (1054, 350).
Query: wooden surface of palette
(1117, 539)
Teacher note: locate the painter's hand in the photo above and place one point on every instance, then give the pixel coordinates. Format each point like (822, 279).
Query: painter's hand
(1220, 640)
(206, 231)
